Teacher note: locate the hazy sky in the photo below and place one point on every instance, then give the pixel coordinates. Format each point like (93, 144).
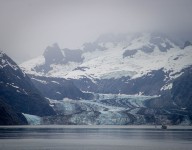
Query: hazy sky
(27, 27)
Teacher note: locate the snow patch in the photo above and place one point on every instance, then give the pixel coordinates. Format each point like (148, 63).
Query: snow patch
(12, 84)
(167, 87)
(28, 66)
(42, 81)
(55, 82)
(58, 92)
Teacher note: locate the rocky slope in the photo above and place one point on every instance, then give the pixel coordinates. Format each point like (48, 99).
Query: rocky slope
(17, 90)
(9, 116)
(179, 97)
(58, 88)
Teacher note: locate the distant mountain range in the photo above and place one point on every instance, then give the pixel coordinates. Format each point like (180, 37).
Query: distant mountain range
(133, 64)
(142, 78)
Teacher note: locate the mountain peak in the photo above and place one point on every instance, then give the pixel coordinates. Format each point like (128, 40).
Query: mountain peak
(53, 54)
(6, 61)
(1, 53)
(187, 43)
(132, 55)
(148, 42)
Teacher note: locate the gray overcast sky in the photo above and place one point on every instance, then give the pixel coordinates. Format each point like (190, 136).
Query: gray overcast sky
(27, 27)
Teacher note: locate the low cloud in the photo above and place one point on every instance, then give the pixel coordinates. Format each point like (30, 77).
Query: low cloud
(28, 26)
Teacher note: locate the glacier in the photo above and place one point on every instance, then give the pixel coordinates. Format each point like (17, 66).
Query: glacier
(32, 119)
(103, 109)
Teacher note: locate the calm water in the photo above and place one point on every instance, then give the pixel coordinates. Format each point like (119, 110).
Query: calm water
(94, 138)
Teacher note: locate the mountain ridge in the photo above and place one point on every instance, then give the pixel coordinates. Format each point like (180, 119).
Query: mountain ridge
(17, 90)
(130, 58)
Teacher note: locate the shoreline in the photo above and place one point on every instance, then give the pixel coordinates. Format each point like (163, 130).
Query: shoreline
(99, 126)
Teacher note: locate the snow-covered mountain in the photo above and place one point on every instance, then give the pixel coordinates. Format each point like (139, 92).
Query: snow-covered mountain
(144, 63)
(130, 79)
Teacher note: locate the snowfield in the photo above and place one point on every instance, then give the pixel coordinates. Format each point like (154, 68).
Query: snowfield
(111, 62)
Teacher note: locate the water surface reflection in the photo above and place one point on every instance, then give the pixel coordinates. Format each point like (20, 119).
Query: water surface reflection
(94, 138)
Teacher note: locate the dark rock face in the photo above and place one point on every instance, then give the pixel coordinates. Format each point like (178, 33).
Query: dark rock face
(17, 90)
(72, 55)
(175, 103)
(58, 88)
(81, 68)
(158, 41)
(85, 84)
(182, 90)
(164, 101)
(129, 53)
(149, 84)
(54, 55)
(179, 96)
(148, 48)
(187, 43)
(161, 116)
(9, 116)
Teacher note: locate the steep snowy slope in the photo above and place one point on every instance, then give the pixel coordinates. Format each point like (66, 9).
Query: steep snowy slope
(123, 60)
